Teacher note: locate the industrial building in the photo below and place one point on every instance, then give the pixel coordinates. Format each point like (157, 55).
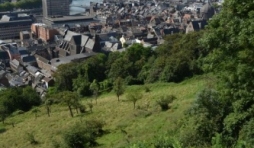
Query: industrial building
(12, 24)
(72, 21)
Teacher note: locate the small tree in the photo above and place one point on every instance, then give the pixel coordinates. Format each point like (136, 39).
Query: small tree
(134, 97)
(165, 100)
(118, 87)
(68, 98)
(3, 113)
(48, 103)
(95, 88)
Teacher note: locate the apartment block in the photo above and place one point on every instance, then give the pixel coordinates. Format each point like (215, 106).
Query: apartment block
(43, 32)
(55, 7)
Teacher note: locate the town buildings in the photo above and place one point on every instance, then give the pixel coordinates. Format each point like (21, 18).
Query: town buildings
(108, 26)
(12, 24)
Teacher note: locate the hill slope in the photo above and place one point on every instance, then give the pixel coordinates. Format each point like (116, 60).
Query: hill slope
(123, 124)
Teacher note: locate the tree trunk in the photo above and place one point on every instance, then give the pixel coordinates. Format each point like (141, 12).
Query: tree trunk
(118, 98)
(96, 99)
(70, 110)
(48, 111)
(134, 104)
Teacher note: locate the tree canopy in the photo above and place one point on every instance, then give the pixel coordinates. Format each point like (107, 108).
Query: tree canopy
(229, 41)
(21, 4)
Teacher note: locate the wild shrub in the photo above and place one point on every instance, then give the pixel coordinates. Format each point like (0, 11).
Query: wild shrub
(83, 135)
(164, 101)
(31, 138)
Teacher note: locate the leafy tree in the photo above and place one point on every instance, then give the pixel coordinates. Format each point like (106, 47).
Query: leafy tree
(231, 51)
(92, 68)
(119, 69)
(247, 133)
(95, 88)
(3, 113)
(176, 59)
(13, 99)
(31, 96)
(112, 57)
(22, 4)
(207, 112)
(48, 103)
(65, 75)
(134, 97)
(68, 98)
(105, 86)
(128, 64)
(81, 85)
(119, 87)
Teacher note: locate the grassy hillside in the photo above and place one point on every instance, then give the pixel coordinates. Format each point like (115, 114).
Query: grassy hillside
(140, 124)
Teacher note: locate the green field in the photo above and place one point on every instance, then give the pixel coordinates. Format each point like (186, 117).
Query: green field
(141, 124)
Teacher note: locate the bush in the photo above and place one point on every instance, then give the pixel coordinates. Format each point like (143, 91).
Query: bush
(140, 144)
(166, 142)
(17, 112)
(76, 137)
(31, 138)
(83, 135)
(165, 100)
(82, 108)
(147, 88)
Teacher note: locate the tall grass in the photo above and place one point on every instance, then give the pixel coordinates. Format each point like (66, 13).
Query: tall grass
(124, 125)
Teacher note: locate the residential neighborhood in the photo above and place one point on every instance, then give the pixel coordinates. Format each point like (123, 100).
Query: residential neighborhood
(32, 46)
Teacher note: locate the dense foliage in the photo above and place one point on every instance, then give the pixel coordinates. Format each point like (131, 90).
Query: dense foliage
(225, 112)
(13, 99)
(21, 4)
(222, 114)
(83, 135)
(173, 61)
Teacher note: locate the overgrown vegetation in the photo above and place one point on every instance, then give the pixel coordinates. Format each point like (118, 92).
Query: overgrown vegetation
(83, 135)
(20, 4)
(173, 61)
(221, 114)
(165, 100)
(123, 126)
(17, 98)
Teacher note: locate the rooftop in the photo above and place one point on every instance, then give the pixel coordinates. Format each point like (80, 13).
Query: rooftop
(63, 60)
(69, 18)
